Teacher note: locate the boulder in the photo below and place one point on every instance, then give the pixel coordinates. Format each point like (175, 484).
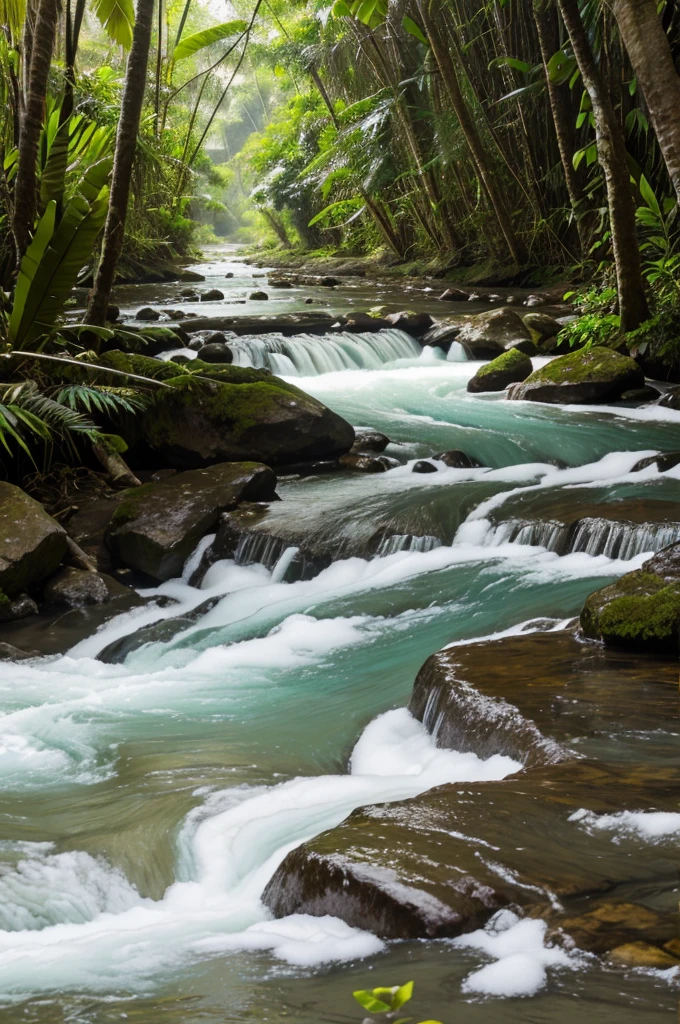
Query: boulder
(541, 325)
(10, 653)
(190, 275)
(21, 607)
(456, 459)
(362, 321)
(212, 295)
(216, 352)
(280, 282)
(329, 282)
(361, 463)
(415, 324)
(664, 461)
(282, 323)
(671, 400)
(641, 395)
(74, 588)
(423, 466)
(238, 414)
(642, 609)
(189, 293)
(32, 543)
(534, 300)
(486, 335)
(157, 526)
(258, 296)
(511, 367)
(442, 336)
(594, 375)
(368, 440)
(454, 295)
(147, 313)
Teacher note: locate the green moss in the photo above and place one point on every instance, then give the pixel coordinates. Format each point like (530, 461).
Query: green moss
(129, 507)
(641, 609)
(595, 364)
(5, 602)
(510, 360)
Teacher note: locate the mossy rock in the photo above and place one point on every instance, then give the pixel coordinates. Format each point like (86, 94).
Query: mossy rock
(511, 367)
(593, 375)
(641, 611)
(32, 543)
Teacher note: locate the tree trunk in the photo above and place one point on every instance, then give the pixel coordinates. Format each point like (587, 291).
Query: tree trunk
(469, 129)
(611, 151)
(652, 60)
(126, 145)
(25, 188)
(561, 116)
(277, 226)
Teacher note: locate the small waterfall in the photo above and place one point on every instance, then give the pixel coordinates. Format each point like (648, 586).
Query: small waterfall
(406, 542)
(260, 548)
(590, 536)
(308, 355)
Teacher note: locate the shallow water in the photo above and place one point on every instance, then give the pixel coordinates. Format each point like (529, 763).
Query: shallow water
(144, 806)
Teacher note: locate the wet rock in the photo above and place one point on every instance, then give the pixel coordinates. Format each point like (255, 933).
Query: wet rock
(280, 282)
(534, 300)
(239, 413)
(423, 466)
(190, 275)
(212, 295)
(671, 400)
(216, 352)
(10, 653)
(642, 954)
(611, 924)
(442, 336)
(158, 632)
(309, 302)
(74, 588)
(180, 359)
(642, 609)
(32, 543)
(258, 296)
(287, 324)
(112, 313)
(157, 526)
(367, 440)
(664, 462)
(189, 293)
(511, 367)
(487, 335)
(415, 324)
(541, 325)
(176, 314)
(231, 274)
(454, 295)
(595, 375)
(12, 609)
(456, 459)
(147, 313)
(329, 282)
(361, 321)
(365, 463)
(640, 395)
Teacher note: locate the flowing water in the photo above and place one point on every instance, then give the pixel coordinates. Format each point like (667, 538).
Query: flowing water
(145, 805)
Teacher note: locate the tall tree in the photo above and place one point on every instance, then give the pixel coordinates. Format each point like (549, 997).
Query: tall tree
(126, 145)
(611, 151)
(33, 108)
(652, 60)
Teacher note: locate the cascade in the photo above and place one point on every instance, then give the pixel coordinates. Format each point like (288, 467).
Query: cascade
(406, 542)
(590, 536)
(308, 355)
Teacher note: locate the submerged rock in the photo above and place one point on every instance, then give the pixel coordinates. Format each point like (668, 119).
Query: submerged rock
(75, 588)
(147, 313)
(511, 367)
(456, 459)
(642, 609)
(487, 335)
(423, 466)
(157, 526)
(362, 463)
(32, 543)
(595, 375)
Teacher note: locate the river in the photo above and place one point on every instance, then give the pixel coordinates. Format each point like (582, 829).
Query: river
(144, 806)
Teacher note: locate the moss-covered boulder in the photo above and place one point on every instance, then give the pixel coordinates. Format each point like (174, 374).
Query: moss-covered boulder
(233, 414)
(32, 543)
(642, 609)
(156, 527)
(595, 375)
(486, 335)
(541, 326)
(511, 367)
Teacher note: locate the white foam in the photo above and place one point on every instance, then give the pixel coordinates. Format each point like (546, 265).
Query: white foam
(652, 826)
(522, 957)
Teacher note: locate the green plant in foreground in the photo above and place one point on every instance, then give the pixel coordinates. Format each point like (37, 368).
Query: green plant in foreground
(388, 1001)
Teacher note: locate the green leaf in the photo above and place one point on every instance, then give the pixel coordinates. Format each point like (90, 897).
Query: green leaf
(511, 62)
(29, 266)
(199, 40)
(117, 18)
(561, 67)
(647, 193)
(402, 995)
(370, 1003)
(414, 30)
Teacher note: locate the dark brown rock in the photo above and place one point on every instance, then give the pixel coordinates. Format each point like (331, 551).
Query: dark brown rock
(32, 543)
(74, 588)
(594, 375)
(487, 335)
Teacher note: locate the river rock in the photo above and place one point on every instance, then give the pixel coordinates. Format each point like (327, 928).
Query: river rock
(190, 275)
(280, 282)
(287, 324)
(216, 352)
(594, 375)
(74, 588)
(32, 543)
(147, 313)
(238, 414)
(423, 466)
(329, 282)
(663, 461)
(454, 295)
(511, 367)
(415, 324)
(487, 335)
(541, 326)
(189, 293)
(368, 440)
(362, 321)
(10, 653)
(157, 526)
(642, 609)
(456, 459)
(258, 296)
(442, 336)
(671, 400)
(212, 295)
(362, 463)
(20, 607)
